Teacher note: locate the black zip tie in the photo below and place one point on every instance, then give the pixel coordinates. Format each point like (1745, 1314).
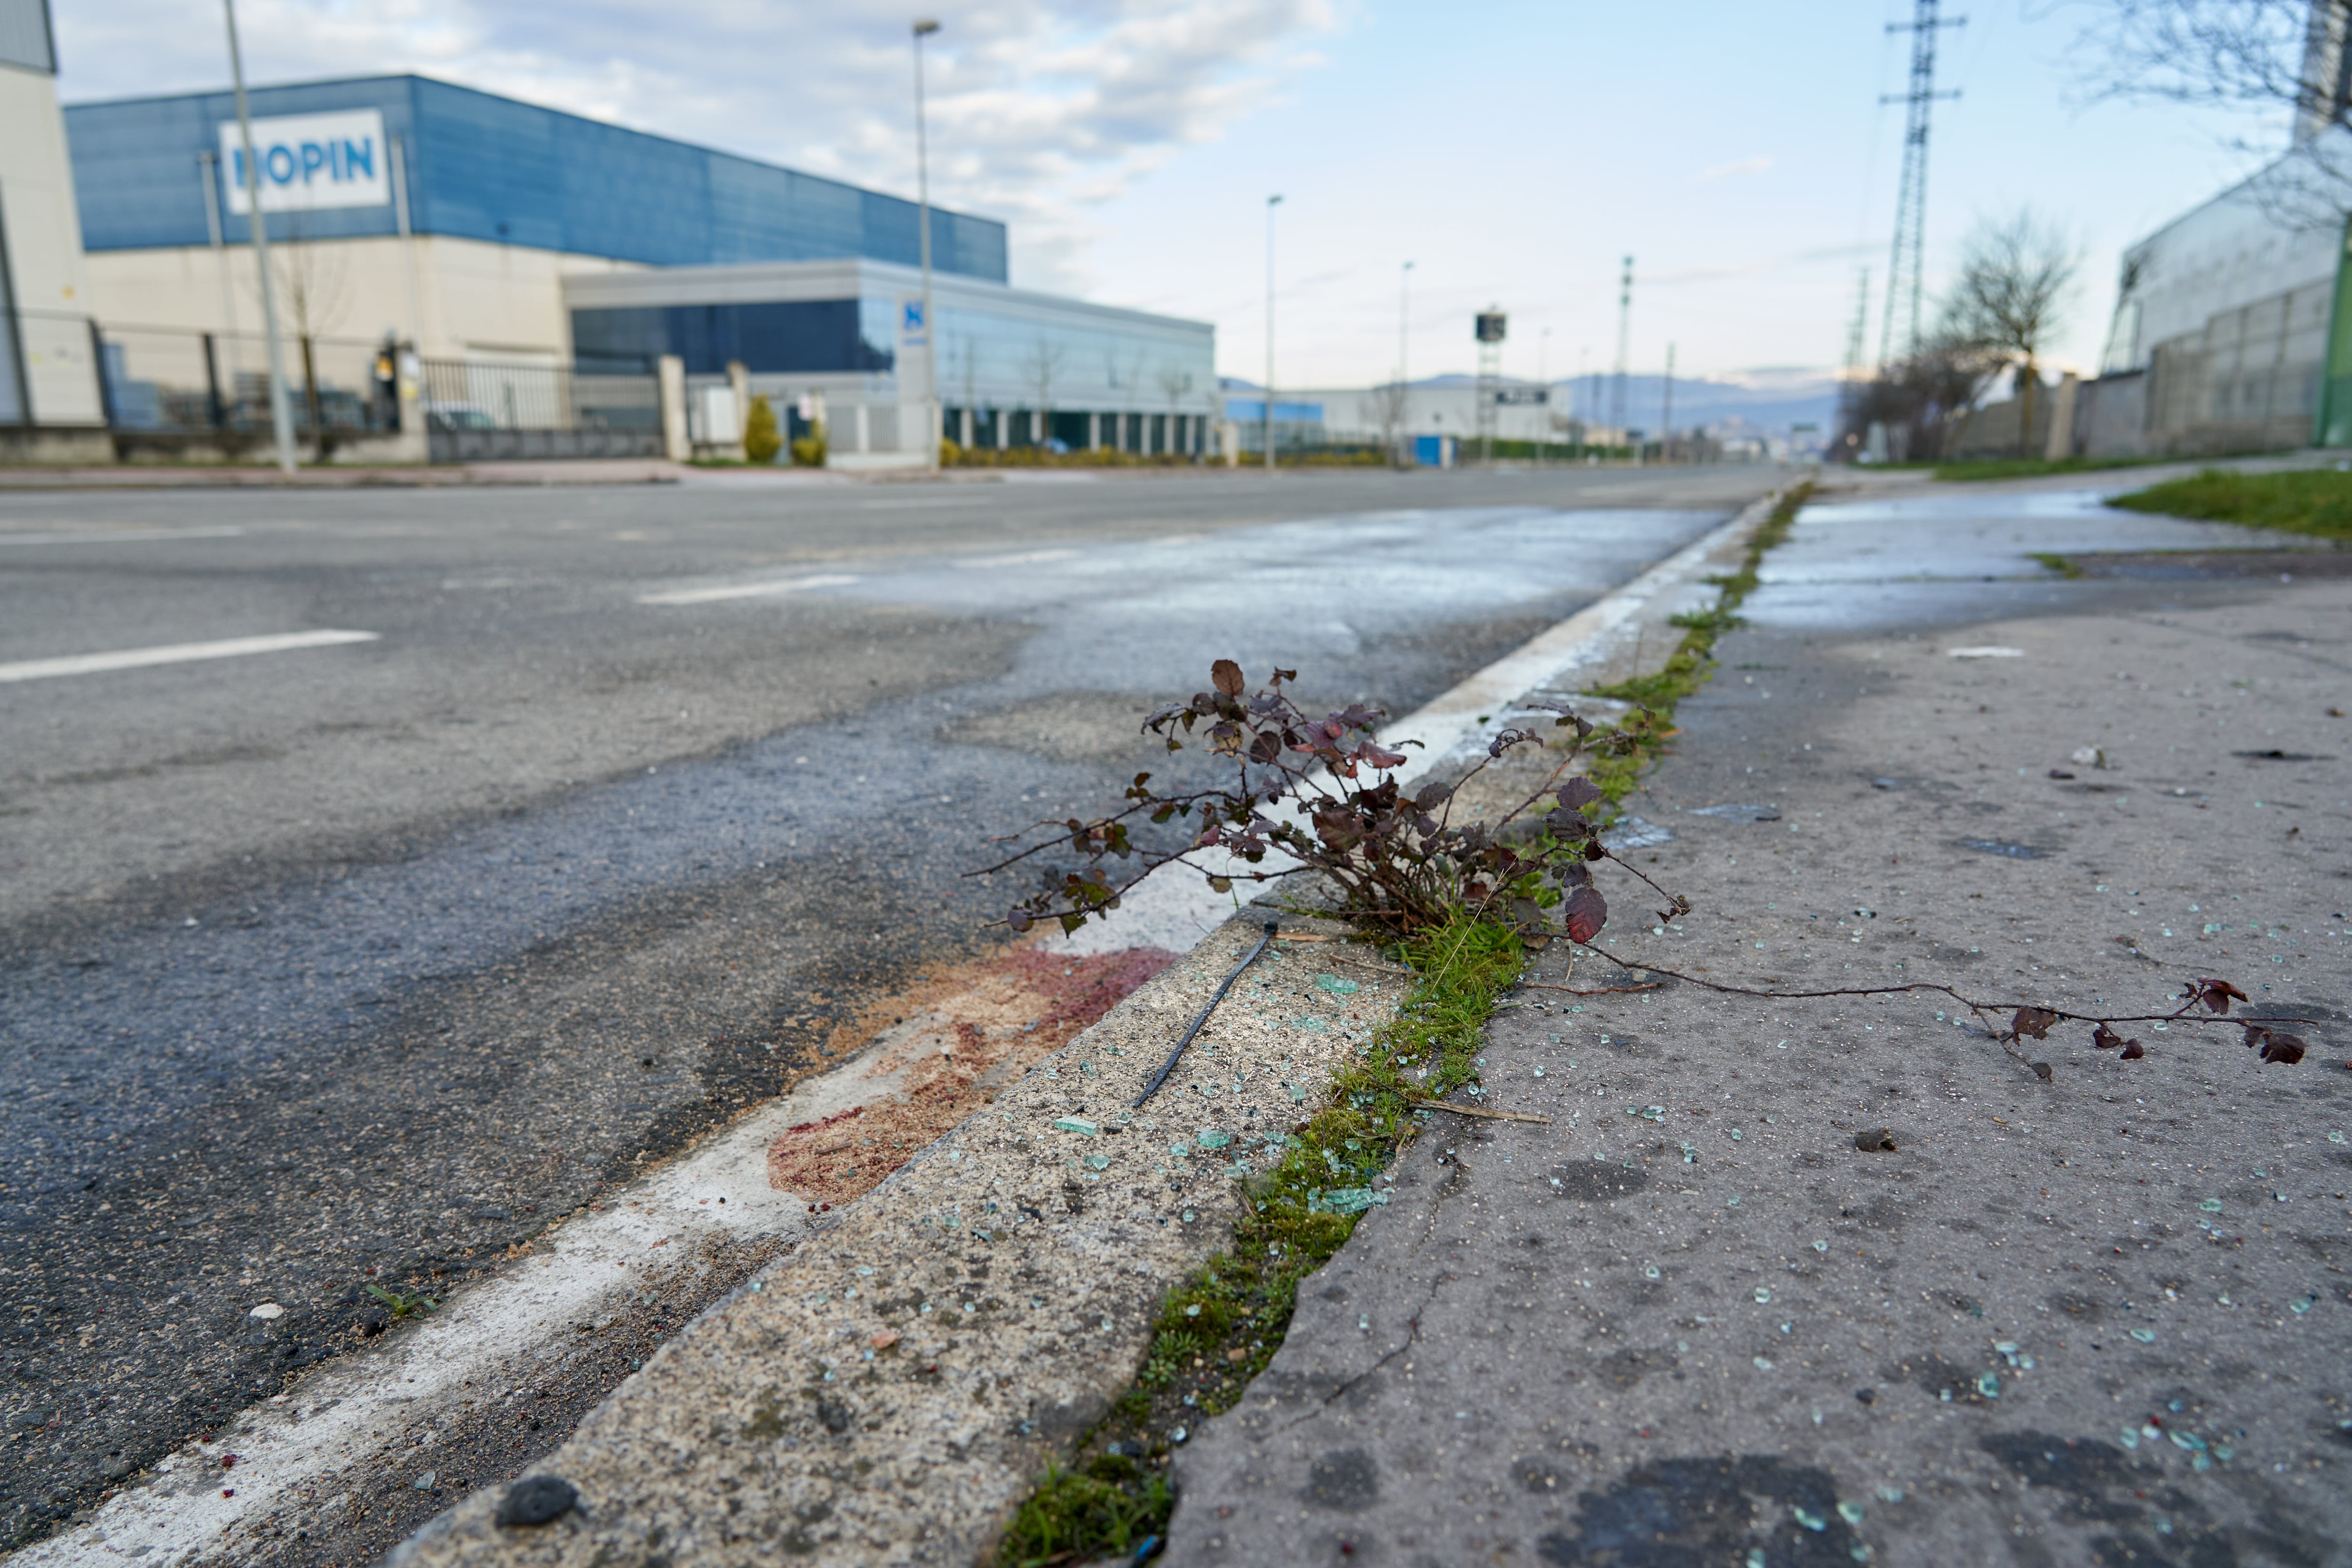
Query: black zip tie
(1169, 1064)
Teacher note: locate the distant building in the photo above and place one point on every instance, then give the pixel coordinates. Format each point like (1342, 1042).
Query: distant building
(545, 265)
(2221, 336)
(49, 392)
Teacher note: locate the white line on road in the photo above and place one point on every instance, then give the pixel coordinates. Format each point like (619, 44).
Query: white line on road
(1022, 558)
(118, 536)
(744, 590)
(174, 653)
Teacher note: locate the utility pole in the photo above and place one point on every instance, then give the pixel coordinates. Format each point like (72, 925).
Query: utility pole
(1271, 203)
(1624, 328)
(1404, 335)
(1666, 419)
(282, 409)
(1857, 339)
(1904, 266)
(924, 29)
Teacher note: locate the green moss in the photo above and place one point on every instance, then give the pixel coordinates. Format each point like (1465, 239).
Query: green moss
(1218, 1328)
(2056, 562)
(1109, 1507)
(2316, 502)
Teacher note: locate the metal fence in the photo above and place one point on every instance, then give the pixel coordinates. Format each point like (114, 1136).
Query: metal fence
(168, 382)
(478, 410)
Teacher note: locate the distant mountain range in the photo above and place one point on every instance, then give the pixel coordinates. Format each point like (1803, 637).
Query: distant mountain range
(1766, 402)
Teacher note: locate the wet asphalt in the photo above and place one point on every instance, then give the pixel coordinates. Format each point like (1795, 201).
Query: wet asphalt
(355, 966)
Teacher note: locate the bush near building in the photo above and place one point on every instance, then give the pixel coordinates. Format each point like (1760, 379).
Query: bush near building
(761, 440)
(808, 451)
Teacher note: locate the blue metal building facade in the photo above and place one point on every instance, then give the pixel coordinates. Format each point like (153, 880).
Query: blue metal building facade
(489, 168)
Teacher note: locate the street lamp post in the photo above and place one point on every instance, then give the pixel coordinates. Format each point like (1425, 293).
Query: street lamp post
(923, 29)
(1271, 203)
(1404, 378)
(281, 410)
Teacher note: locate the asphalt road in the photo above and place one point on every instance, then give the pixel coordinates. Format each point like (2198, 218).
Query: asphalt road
(353, 964)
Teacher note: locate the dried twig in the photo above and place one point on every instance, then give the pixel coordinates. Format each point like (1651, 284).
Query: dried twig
(1488, 1115)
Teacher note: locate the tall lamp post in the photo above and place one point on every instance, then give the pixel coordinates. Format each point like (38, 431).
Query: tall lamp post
(1404, 335)
(282, 409)
(924, 29)
(1271, 203)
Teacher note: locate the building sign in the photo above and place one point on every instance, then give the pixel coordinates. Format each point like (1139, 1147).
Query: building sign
(1522, 396)
(310, 161)
(911, 323)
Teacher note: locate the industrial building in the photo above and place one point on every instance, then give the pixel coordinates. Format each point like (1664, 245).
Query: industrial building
(535, 269)
(49, 402)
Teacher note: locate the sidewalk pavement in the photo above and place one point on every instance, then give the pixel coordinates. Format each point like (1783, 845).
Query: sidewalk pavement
(1704, 1316)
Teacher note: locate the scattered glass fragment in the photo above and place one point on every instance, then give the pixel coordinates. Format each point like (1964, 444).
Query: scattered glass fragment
(1890, 1494)
(1734, 1135)
(1763, 1294)
(1098, 1161)
(1337, 986)
(2130, 1438)
(1079, 1124)
(1177, 1435)
(1989, 1385)
(1762, 1365)
(2145, 1336)
(1211, 1138)
(1809, 1520)
(2301, 1306)
(1851, 1513)
(1539, 1072)
(1190, 1216)
(1820, 1247)
(2212, 1206)
(1649, 1271)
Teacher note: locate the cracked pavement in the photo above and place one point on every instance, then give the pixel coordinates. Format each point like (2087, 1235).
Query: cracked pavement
(2099, 1318)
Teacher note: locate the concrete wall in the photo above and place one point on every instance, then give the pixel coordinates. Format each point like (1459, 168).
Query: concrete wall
(43, 235)
(478, 300)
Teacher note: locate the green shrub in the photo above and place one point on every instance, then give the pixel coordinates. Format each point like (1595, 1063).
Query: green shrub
(760, 441)
(808, 451)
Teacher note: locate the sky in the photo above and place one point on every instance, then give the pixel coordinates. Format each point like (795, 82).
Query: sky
(1513, 151)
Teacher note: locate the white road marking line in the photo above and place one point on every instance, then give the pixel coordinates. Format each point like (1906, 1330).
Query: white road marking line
(1023, 558)
(174, 653)
(295, 1453)
(744, 590)
(118, 536)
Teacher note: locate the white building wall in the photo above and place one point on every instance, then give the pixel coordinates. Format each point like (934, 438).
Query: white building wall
(2268, 237)
(479, 300)
(45, 260)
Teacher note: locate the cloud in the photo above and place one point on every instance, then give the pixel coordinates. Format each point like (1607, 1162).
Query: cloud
(1755, 165)
(1040, 110)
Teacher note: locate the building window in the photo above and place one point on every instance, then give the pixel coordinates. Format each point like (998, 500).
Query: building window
(809, 336)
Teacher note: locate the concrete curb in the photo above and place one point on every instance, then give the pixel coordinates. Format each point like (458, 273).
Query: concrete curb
(891, 1391)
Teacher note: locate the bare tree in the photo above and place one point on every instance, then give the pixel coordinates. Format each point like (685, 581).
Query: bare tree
(1917, 400)
(2009, 297)
(313, 281)
(2272, 57)
(1175, 383)
(1041, 367)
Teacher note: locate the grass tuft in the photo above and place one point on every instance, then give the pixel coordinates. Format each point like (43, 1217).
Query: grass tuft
(1218, 1328)
(2316, 502)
